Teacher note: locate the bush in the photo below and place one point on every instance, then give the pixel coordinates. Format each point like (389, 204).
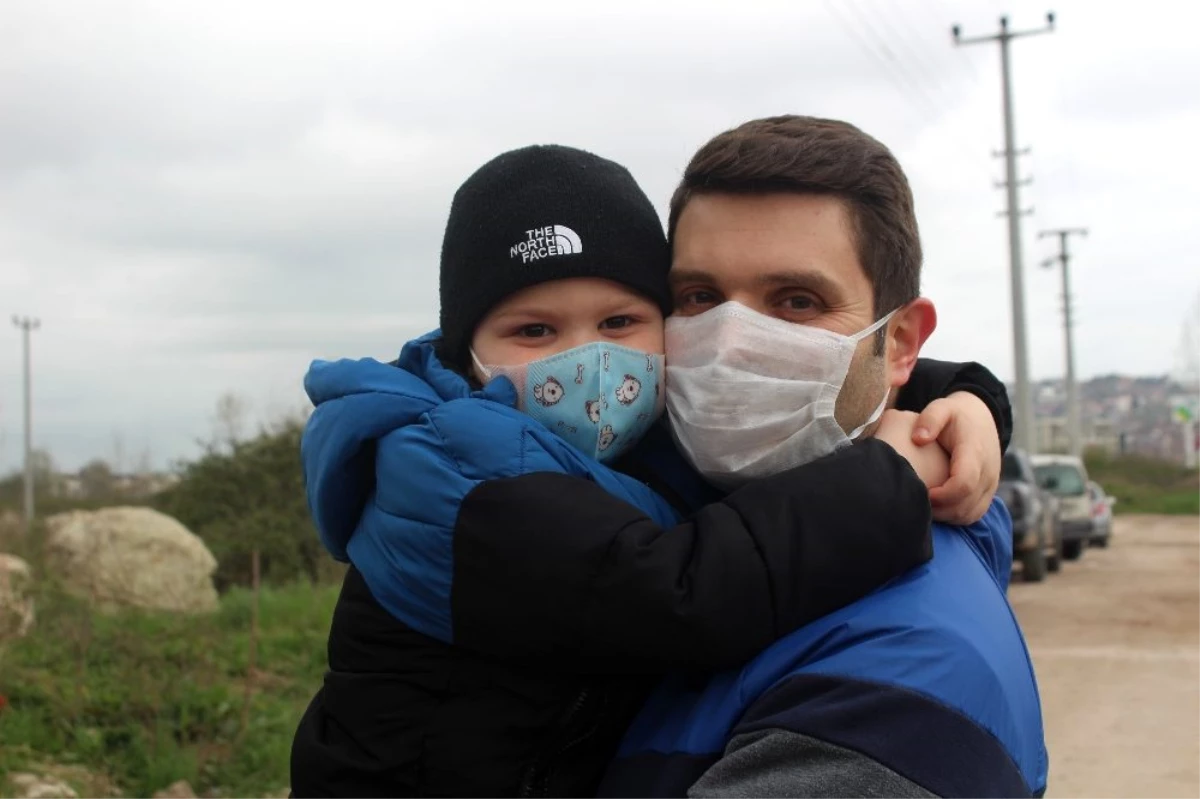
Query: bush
(1145, 485)
(252, 497)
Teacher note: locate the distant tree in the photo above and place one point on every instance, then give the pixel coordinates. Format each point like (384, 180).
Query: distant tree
(118, 454)
(229, 421)
(43, 466)
(144, 464)
(12, 485)
(251, 497)
(98, 480)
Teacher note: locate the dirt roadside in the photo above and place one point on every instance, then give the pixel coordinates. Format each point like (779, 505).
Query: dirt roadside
(1115, 639)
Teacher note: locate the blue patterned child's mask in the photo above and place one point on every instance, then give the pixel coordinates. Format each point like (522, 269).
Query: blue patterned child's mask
(600, 397)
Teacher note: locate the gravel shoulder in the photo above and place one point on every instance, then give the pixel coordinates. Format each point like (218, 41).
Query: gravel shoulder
(1115, 640)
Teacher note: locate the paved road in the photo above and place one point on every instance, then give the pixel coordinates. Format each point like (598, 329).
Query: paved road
(1115, 639)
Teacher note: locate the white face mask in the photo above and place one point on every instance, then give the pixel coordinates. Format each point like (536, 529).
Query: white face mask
(750, 396)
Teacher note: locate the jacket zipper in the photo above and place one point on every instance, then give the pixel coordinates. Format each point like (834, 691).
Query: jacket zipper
(538, 775)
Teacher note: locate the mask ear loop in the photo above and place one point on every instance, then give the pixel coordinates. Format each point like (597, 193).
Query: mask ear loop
(856, 432)
(483, 370)
(874, 417)
(883, 320)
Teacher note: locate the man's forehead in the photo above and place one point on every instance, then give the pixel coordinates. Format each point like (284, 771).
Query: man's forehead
(786, 227)
(759, 243)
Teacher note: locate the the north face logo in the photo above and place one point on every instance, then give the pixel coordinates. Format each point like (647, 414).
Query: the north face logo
(542, 242)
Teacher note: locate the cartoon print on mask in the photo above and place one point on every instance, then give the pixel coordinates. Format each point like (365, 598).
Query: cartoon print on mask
(567, 428)
(548, 393)
(649, 363)
(605, 356)
(629, 390)
(607, 437)
(578, 374)
(593, 410)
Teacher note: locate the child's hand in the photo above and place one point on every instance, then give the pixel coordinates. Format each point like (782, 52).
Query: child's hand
(929, 460)
(964, 426)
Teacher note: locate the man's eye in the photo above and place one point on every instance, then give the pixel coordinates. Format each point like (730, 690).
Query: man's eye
(616, 322)
(699, 297)
(534, 331)
(800, 303)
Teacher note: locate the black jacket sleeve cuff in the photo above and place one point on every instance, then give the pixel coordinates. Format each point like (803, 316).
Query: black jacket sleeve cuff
(931, 380)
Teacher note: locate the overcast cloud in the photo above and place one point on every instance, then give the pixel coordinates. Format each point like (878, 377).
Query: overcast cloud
(200, 197)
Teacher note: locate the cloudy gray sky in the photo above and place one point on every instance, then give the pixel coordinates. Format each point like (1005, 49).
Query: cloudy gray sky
(200, 197)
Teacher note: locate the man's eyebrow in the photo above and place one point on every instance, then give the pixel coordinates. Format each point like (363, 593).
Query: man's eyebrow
(691, 276)
(808, 279)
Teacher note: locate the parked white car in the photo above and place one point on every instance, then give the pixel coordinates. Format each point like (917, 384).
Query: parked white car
(1102, 514)
(1066, 478)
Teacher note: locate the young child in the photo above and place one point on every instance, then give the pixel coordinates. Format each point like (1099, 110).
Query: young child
(553, 276)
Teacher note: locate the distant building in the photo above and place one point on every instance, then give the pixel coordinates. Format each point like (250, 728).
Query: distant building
(123, 486)
(1118, 414)
(1096, 434)
(66, 486)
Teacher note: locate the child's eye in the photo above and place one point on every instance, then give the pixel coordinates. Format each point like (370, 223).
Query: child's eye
(616, 322)
(534, 331)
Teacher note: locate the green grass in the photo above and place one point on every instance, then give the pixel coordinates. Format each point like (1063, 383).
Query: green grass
(143, 699)
(1145, 485)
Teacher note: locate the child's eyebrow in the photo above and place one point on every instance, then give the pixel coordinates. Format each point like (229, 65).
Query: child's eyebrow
(524, 312)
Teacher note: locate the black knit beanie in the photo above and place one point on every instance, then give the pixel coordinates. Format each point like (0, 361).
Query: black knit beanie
(545, 213)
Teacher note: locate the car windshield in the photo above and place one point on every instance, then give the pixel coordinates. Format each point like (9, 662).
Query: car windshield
(1069, 480)
(1010, 467)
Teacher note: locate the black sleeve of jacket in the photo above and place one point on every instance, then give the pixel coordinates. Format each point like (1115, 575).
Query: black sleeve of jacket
(932, 380)
(554, 567)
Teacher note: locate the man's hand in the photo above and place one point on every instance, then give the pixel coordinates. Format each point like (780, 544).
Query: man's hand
(928, 459)
(964, 427)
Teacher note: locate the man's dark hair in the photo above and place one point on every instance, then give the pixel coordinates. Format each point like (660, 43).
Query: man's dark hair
(806, 155)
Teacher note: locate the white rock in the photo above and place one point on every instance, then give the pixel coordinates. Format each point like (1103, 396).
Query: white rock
(180, 789)
(16, 605)
(135, 557)
(36, 786)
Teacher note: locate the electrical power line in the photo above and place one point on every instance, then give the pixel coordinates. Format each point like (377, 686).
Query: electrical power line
(875, 56)
(938, 23)
(879, 53)
(910, 56)
(889, 57)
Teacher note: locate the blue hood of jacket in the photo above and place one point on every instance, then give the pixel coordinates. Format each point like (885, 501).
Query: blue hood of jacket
(357, 403)
(391, 450)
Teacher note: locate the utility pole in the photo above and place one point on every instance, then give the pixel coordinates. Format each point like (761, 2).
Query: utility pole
(27, 326)
(1026, 432)
(1074, 436)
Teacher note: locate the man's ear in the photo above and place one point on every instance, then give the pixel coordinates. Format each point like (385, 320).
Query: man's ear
(907, 332)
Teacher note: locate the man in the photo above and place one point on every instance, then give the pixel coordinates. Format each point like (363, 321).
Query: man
(925, 687)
